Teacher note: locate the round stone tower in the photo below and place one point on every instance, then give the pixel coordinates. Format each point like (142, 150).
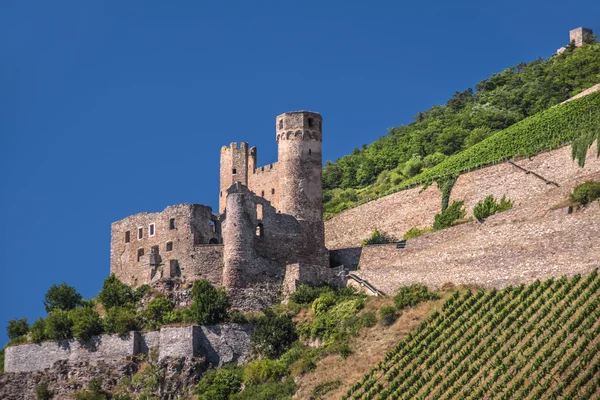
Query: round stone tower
(300, 164)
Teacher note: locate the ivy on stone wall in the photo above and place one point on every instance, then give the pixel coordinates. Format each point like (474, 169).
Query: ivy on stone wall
(445, 184)
(581, 145)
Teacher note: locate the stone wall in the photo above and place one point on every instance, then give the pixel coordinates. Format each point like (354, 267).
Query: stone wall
(177, 230)
(397, 213)
(218, 343)
(264, 181)
(298, 274)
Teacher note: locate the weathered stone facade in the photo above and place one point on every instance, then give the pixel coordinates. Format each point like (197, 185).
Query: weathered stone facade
(578, 37)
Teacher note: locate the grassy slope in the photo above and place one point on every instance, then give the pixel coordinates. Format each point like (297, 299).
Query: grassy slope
(534, 342)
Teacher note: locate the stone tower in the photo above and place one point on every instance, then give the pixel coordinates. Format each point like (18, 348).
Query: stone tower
(300, 164)
(236, 163)
(580, 36)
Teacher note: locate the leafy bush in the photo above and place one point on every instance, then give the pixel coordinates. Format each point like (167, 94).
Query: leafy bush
(446, 218)
(156, 312)
(209, 305)
(62, 297)
(585, 193)
(323, 303)
(387, 315)
(409, 296)
(42, 391)
(121, 320)
(307, 294)
(378, 238)
(489, 206)
(174, 317)
(219, 384)
(38, 330)
(262, 371)
(17, 327)
(115, 293)
(415, 232)
(273, 334)
(94, 391)
(58, 325)
(86, 323)
(268, 391)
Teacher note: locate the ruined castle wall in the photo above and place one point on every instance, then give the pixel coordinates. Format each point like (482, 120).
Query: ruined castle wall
(298, 274)
(193, 225)
(397, 213)
(205, 262)
(233, 158)
(264, 182)
(224, 343)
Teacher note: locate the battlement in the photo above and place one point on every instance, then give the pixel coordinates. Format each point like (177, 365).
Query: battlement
(305, 125)
(243, 146)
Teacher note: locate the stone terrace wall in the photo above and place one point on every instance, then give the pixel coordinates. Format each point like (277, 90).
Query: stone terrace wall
(397, 213)
(218, 343)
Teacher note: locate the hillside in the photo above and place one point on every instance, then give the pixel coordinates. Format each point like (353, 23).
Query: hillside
(529, 342)
(469, 117)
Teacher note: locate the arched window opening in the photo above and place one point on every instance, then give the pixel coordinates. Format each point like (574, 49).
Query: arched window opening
(213, 241)
(309, 151)
(260, 230)
(213, 227)
(273, 191)
(280, 124)
(262, 194)
(310, 122)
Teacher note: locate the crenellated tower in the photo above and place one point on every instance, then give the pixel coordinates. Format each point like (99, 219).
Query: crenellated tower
(236, 163)
(299, 136)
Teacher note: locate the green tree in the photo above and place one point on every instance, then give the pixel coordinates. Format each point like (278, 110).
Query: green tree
(446, 218)
(219, 384)
(62, 297)
(273, 334)
(58, 325)
(38, 330)
(156, 312)
(209, 305)
(115, 293)
(86, 323)
(17, 327)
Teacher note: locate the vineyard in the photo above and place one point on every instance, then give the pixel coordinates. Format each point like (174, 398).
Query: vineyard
(539, 341)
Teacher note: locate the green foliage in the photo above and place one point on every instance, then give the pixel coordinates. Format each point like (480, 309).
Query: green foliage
(445, 185)
(324, 302)
(410, 296)
(140, 292)
(86, 323)
(263, 371)
(388, 315)
(115, 293)
(157, 312)
(62, 297)
(58, 325)
(307, 294)
(2, 361)
(121, 320)
(378, 238)
(42, 391)
(489, 206)
(415, 232)
(38, 331)
(273, 334)
(267, 391)
(448, 217)
(209, 305)
(174, 317)
(585, 193)
(324, 388)
(219, 384)
(471, 118)
(94, 391)
(149, 378)
(17, 327)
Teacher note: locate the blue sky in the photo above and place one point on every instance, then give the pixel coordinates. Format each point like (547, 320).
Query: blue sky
(112, 108)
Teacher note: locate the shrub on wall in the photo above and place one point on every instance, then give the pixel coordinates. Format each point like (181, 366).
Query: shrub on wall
(415, 232)
(307, 294)
(86, 323)
(209, 305)
(409, 296)
(115, 293)
(273, 334)
(489, 206)
(378, 238)
(62, 297)
(585, 193)
(448, 217)
(121, 320)
(42, 391)
(58, 325)
(38, 331)
(157, 312)
(17, 327)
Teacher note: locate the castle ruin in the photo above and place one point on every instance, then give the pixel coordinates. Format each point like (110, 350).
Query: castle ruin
(269, 230)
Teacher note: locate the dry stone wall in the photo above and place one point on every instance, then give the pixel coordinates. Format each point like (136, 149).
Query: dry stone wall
(217, 343)
(397, 213)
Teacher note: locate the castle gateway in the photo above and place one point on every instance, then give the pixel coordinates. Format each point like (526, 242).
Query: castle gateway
(268, 235)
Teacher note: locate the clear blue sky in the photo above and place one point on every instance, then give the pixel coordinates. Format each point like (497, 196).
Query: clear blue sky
(112, 108)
